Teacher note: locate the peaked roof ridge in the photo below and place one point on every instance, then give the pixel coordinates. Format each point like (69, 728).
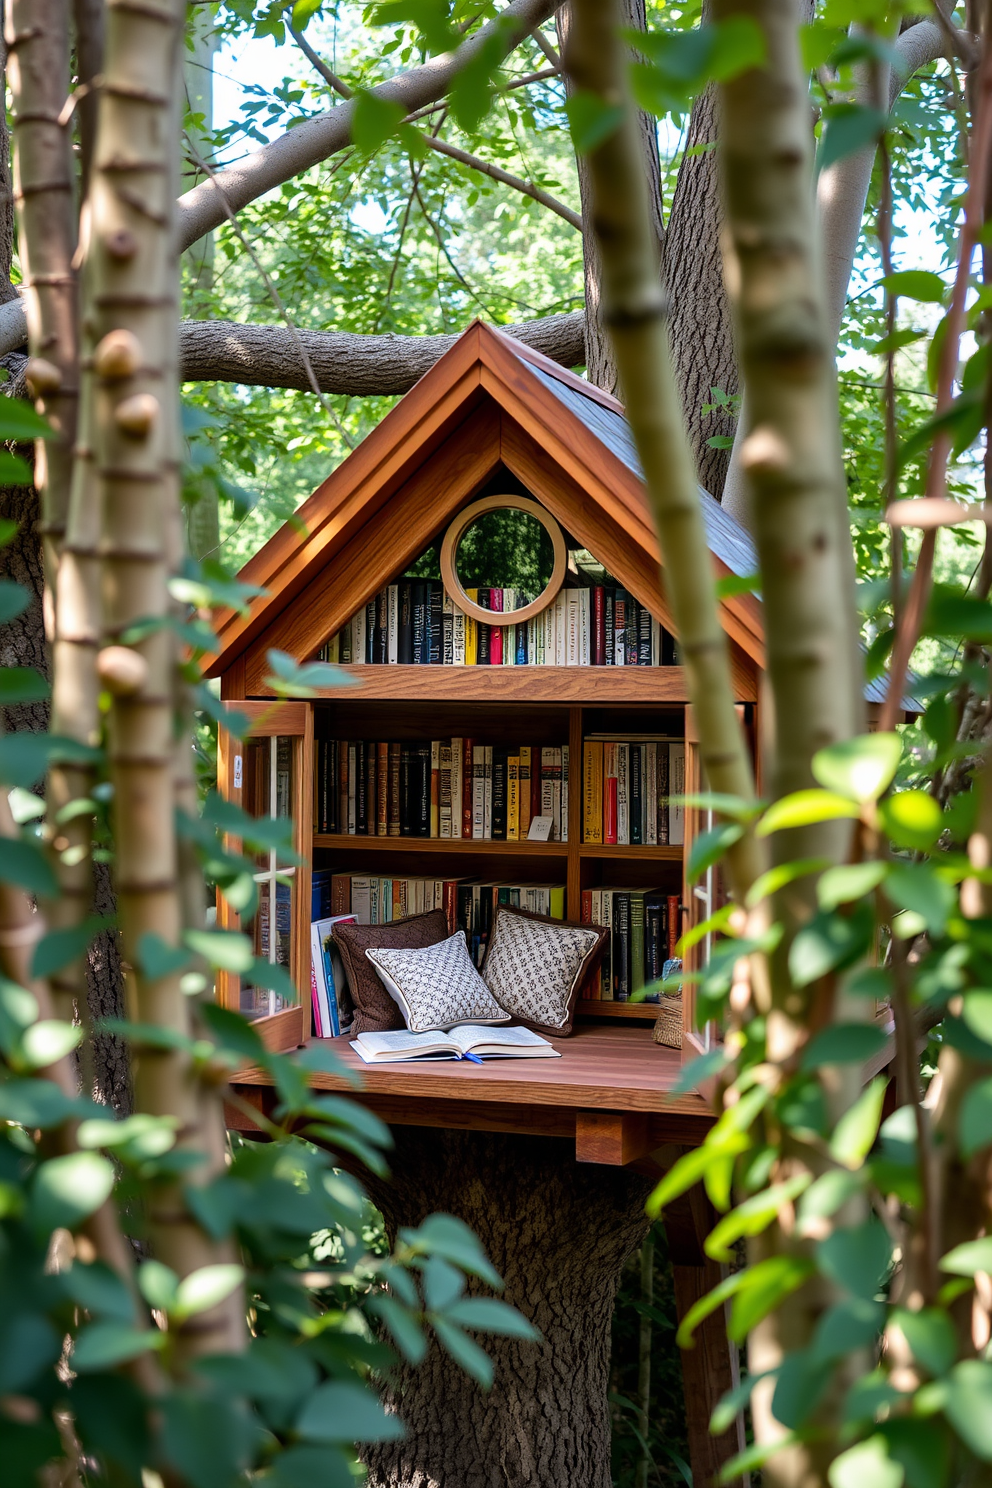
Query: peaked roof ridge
(540, 359)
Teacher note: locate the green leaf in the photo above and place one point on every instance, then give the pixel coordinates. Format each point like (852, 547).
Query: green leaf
(99, 1290)
(803, 808)
(968, 1259)
(21, 685)
(799, 1389)
(709, 847)
(868, 1462)
(855, 1132)
(857, 1258)
(68, 1189)
(311, 1467)
(226, 949)
(848, 882)
(765, 1287)
(844, 1043)
(465, 1352)
(134, 1139)
(931, 1336)
(591, 120)
(689, 1168)
(404, 1329)
(374, 120)
(830, 942)
(733, 584)
(105, 1345)
(158, 1285)
(156, 959)
(822, 1199)
(977, 1012)
(730, 1405)
(47, 1042)
(19, 423)
(61, 947)
(779, 877)
(916, 284)
(14, 472)
(14, 600)
(444, 1235)
(232, 1031)
(912, 819)
(205, 1288)
(922, 1449)
(24, 864)
(853, 1324)
(860, 769)
(489, 1315)
(39, 1103)
(304, 12)
(849, 127)
(753, 1216)
(968, 1405)
(975, 1118)
(916, 887)
(341, 1411)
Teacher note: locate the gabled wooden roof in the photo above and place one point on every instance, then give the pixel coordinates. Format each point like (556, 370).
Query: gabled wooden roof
(488, 402)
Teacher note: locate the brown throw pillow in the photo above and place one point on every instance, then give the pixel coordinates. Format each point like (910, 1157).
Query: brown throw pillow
(537, 968)
(375, 1010)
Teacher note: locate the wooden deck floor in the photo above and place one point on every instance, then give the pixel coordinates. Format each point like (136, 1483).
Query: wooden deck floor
(609, 1093)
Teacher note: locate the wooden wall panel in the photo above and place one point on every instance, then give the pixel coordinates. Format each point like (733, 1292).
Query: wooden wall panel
(382, 544)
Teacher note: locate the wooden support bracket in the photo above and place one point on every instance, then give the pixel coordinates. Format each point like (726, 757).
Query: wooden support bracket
(614, 1138)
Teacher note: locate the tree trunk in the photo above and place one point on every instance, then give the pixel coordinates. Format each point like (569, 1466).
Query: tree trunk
(700, 320)
(559, 1233)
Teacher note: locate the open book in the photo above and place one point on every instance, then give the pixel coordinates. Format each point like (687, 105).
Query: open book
(468, 1040)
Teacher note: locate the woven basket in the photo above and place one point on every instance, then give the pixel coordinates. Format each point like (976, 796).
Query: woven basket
(668, 1024)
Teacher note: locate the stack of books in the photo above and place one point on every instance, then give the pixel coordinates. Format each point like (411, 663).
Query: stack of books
(415, 623)
(644, 930)
(444, 788)
(631, 785)
(468, 904)
(327, 977)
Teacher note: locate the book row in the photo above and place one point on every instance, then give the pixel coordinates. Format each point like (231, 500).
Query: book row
(445, 788)
(644, 930)
(632, 789)
(415, 623)
(468, 904)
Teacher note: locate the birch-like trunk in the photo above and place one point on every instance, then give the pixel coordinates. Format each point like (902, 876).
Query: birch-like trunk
(635, 311)
(131, 290)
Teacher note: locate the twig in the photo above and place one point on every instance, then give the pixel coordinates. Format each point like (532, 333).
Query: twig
(889, 391)
(546, 47)
(474, 162)
(908, 630)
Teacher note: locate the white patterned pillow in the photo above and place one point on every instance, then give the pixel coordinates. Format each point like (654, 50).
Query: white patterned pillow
(437, 987)
(535, 968)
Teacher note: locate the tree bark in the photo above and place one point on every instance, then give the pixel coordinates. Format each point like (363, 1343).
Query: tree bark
(559, 1233)
(701, 325)
(359, 366)
(601, 367)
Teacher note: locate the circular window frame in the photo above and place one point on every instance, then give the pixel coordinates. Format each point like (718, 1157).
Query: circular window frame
(454, 535)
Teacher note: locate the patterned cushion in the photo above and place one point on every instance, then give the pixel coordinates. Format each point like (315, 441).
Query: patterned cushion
(437, 987)
(375, 1010)
(536, 967)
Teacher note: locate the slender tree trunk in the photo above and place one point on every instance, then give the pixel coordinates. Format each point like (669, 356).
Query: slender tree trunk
(635, 311)
(601, 368)
(559, 1233)
(131, 285)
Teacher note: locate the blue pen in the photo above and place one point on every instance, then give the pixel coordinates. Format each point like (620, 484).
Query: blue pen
(473, 1057)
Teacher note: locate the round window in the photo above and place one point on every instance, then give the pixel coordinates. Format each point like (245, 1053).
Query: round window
(506, 542)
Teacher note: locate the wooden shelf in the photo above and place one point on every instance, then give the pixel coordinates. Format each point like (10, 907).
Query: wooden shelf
(636, 853)
(345, 842)
(598, 686)
(643, 1012)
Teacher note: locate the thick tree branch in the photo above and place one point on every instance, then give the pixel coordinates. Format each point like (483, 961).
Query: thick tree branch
(202, 208)
(360, 366)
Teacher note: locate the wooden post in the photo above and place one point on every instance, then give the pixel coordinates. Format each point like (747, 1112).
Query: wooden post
(710, 1368)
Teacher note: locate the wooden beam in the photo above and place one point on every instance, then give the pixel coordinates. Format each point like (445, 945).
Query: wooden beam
(709, 1369)
(612, 1138)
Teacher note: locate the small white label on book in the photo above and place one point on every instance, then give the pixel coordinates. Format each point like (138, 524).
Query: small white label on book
(540, 829)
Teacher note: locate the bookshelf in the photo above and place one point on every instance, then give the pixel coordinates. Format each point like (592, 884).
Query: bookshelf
(545, 717)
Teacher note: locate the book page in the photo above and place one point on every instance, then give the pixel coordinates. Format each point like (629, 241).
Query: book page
(403, 1040)
(467, 1035)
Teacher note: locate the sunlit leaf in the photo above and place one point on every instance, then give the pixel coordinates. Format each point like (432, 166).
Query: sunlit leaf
(803, 808)
(860, 768)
